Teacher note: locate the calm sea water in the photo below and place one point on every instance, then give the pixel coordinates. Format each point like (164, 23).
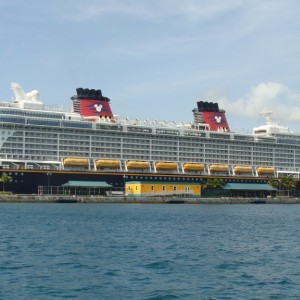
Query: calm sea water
(132, 251)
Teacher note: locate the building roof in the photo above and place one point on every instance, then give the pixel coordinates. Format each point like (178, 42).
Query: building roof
(95, 184)
(249, 187)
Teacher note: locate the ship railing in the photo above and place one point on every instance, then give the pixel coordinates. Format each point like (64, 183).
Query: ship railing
(106, 170)
(28, 166)
(56, 108)
(292, 174)
(6, 167)
(180, 128)
(138, 171)
(157, 123)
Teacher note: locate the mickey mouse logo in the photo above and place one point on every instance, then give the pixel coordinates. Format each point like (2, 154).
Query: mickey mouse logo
(98, 107)
(218, 119)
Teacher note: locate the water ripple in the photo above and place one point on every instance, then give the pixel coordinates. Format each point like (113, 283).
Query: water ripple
(53, 251)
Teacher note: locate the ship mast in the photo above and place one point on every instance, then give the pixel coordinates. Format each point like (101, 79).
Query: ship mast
(268, 115)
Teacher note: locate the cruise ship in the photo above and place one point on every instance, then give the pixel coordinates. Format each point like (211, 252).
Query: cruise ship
(42, 146)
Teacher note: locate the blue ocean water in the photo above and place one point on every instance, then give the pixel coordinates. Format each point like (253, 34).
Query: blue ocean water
(136, 251)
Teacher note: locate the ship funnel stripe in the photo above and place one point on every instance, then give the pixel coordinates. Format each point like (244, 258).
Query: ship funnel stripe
(76, 106)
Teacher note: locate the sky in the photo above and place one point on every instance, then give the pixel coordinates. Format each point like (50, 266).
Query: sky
(156, 58)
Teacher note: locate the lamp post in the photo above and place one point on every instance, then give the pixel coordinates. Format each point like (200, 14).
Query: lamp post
(49, 176)
(124, 183)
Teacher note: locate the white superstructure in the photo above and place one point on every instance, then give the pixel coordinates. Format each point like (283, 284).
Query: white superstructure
(33, 137)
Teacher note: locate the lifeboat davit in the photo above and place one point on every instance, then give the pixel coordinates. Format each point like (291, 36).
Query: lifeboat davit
(107, 164)
(76, 162)
(242, 169)
(265, 170)
(193, 167)
(218, 168)
(165, 166)
(135, 164)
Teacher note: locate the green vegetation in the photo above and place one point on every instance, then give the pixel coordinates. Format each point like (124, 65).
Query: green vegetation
(285, 183)
(5, 178)
(6, 193)
(213, 183)
(213, 188)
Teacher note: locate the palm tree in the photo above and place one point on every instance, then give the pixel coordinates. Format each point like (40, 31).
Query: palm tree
(288, 184)
(285, 183)
(275, 183)
(4, 178)
(213, 183)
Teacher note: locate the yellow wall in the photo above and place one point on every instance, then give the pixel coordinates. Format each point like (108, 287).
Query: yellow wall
(138, 188)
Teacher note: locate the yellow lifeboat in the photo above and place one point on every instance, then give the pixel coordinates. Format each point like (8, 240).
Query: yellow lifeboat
(265, 170)
(135, 164)
(165, 166)
(76, 162)
(193, 167)
(107, 164)
(242, 169)
(218, 168)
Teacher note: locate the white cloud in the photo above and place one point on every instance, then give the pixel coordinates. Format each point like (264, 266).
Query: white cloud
(272, 96)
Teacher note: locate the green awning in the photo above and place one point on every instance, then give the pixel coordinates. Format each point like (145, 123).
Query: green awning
(94, 184)
(249, 187)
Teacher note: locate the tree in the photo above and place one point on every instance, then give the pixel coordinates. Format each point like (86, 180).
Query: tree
(5, 178)
(288, 184)
(213, 183)
(274, 183)
(284, 183)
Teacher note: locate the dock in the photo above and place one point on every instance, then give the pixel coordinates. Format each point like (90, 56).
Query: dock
(142, 200)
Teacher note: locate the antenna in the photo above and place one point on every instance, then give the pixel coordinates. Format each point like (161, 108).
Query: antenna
(268, 115)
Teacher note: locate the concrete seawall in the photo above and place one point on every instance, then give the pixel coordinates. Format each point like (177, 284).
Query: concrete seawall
(142, 200)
